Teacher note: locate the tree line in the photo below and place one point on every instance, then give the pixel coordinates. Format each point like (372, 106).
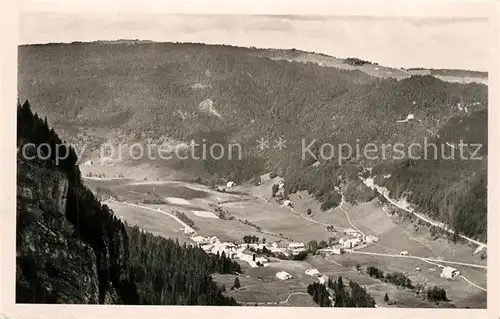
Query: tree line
(351, 296)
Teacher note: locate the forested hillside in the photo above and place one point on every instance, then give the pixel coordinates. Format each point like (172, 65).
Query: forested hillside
(72, 249)
(451, 190)
(234, 95)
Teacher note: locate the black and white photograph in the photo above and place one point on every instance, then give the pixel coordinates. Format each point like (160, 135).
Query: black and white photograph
(252, 160)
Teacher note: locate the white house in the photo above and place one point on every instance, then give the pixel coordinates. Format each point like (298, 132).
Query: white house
(404, 253)
(313, 272)
(371, 239)
(351, 243)
(188, 231)
(283, 275)
(323, 279)
(449, 273)
(247, 258)
(206, 247)
(288, 203)
(200, 240)
(230, 184)
(350, 231)
(296, 248)
(261, 260)
(410, 117)
(337, 250)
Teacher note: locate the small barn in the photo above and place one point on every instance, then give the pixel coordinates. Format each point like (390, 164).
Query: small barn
(313, 272)
(283, 275)
(371, 239)
(288, 203)
(449, 273)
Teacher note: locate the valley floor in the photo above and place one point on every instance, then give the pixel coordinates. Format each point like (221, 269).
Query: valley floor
(255, 213)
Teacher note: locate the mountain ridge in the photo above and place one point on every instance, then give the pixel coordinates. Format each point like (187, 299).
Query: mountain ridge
(476, 76)
(150, 90)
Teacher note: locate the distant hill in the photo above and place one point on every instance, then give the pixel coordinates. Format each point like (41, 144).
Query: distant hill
(373, 68)
(230, 94)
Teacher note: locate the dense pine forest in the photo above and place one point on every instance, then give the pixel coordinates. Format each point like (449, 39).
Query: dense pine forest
(167, 273)
(238, 95)
(452, 190)
(352, 296)
(72, 249)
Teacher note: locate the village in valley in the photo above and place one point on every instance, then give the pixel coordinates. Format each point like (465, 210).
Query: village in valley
(350, 247)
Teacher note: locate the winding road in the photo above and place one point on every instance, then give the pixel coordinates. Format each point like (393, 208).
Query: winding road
(431, 261)
(154, 210)
(347, 216)
(420, 216)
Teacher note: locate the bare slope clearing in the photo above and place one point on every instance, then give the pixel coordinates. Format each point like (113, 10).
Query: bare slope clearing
(148, 220)
(373, 69)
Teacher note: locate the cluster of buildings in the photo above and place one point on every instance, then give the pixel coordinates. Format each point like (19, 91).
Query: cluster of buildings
(352, 240)
(463, 106)
(275, 247)
(355, 239)
(212, 245)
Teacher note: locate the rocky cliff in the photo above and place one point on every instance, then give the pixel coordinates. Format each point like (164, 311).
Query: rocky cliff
(52, 264)
(70, 249)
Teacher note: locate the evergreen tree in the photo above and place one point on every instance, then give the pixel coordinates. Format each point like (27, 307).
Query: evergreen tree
(236, 283)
